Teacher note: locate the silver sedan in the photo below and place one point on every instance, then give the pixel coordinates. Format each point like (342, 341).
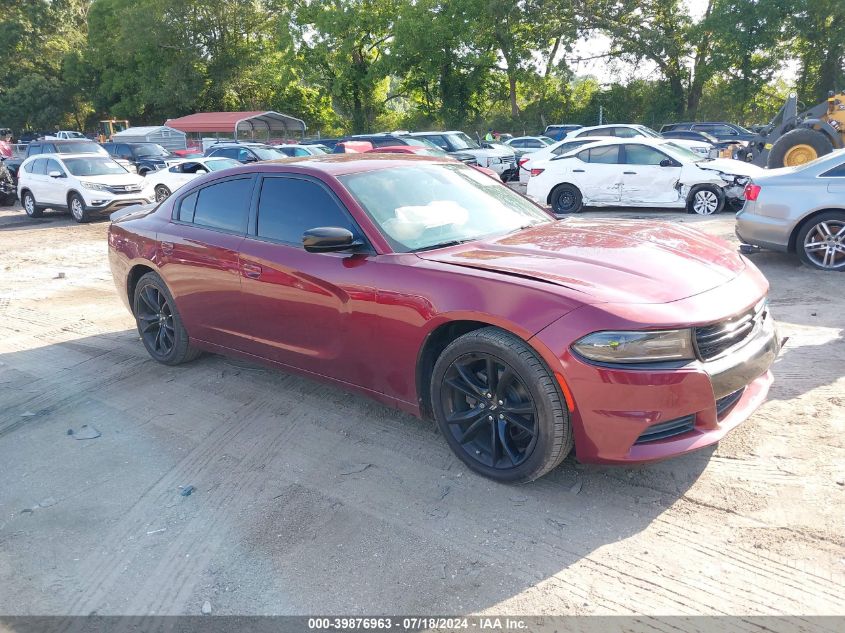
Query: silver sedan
(799, 210)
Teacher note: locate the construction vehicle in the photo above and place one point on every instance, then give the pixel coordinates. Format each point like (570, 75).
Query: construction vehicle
(111, 127)
(794, 138)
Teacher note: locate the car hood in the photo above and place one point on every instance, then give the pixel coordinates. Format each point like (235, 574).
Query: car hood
(115, 179)
(731, 166)
(606, 261)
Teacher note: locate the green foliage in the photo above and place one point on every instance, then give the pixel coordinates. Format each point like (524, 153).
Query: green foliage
(366, 65)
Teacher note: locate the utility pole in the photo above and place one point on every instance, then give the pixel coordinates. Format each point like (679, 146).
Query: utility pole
(601, 114)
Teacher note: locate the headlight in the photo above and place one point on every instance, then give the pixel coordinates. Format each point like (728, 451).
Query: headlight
(494, 160)
(636, 347)
(95, 186)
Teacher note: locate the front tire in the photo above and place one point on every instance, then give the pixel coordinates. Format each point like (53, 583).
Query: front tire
(162, 193)
(77, 208)
(159, 323)
(566, 199)
(821, 242)
(499, 407)
(30, 207)
(706, 200)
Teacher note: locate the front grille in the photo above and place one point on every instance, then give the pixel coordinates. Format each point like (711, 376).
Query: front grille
(664, 430)
(509, 160)
(125, 188)
(714, 340)
(726, 403)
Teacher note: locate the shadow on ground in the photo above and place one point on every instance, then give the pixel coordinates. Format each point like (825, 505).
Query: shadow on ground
(305, 499)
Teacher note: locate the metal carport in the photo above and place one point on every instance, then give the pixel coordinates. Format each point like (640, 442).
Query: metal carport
(239, 123)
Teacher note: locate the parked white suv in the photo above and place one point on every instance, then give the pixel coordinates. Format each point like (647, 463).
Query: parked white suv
(87, 185)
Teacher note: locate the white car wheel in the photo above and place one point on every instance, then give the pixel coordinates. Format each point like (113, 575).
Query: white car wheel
(29, 205)
(77, 208)
(705, 202)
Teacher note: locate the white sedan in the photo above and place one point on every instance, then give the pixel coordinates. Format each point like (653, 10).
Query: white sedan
(556, 149)
(638, 173)
(631, 130)
(166, 181)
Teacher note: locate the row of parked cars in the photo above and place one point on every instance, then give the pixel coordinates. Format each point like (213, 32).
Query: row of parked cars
(631, 167)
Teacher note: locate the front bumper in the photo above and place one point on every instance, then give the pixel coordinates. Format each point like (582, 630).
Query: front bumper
(104, 206)
(625, 414)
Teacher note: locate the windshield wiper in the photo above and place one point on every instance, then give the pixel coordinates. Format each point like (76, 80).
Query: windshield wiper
(441, 245)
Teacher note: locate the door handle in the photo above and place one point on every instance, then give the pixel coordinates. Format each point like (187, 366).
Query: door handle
(167, 248)
(578, 171)
(252, 271)
(629, 172)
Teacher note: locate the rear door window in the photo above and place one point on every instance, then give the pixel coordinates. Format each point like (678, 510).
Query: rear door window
(290, 206)
(608, 155)
(223, 205)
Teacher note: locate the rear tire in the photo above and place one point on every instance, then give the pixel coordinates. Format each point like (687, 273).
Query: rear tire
(797, 147)
(77, 208)
(31, 207)
(821, 242)
(706, 200)
(566, 199)
(513, 428)
(162, 193)
(159, 323)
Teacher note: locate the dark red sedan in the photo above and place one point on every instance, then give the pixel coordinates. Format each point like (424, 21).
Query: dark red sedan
(432, 288)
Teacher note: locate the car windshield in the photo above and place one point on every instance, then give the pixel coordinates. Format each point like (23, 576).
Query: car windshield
(547, 140)
(150, 149)
(461, 141)
(75, 135)
(419, 142)
(647, 131)
(79, 148)
(682, 153)
(221, 163)
(94, 166)
(268, 153)
(430, 205)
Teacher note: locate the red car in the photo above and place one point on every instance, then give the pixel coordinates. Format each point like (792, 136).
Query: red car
(432, 288)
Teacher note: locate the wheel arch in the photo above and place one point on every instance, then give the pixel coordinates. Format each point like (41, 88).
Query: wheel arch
(793, 236)
(72, 192)
(133, 275)
(444, 333)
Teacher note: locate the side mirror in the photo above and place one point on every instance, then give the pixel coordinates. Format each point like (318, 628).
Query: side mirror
(56, 174)
(667, 162)
(250, 159)
(328, 239)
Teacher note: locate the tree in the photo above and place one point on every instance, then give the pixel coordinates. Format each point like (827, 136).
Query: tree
(818, 29)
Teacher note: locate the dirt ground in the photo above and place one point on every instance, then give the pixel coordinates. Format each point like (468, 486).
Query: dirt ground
(309, 500)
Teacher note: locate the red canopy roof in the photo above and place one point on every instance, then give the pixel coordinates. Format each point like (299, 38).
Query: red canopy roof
(235, 122)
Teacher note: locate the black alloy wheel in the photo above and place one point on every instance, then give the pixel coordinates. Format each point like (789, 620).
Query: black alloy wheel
(489, 411)
(159, 323)
(499, 406)
(155, 321)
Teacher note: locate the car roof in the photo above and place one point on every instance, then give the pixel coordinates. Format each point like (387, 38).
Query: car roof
(342, 164)
(437, 132)
(63, 157)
